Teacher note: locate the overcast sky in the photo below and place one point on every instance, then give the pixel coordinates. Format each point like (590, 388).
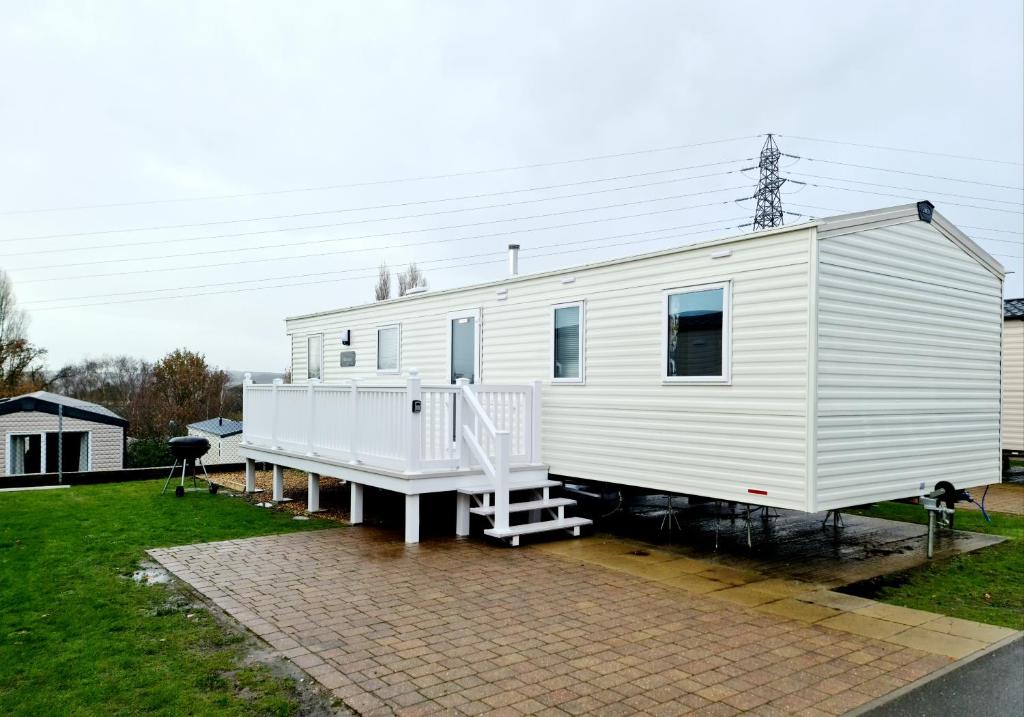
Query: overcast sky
(133, 103)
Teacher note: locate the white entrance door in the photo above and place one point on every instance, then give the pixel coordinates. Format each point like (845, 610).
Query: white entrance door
(464, 345)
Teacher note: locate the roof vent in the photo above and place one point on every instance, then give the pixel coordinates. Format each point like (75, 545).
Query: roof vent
(925, 210)
(416, 290)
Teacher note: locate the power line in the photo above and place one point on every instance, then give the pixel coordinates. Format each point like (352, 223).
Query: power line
(729, 221)
(291, 257)
(421, 215)
(909, 189)
(400, 204)
(903, 149)
(385, 234)
(902, 171)
(378, 182)
(325, 281)
(903, 196)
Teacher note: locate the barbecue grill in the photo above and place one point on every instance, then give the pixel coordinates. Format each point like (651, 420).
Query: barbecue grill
(189, 451)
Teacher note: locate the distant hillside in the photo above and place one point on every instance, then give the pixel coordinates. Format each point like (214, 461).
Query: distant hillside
(236, 377)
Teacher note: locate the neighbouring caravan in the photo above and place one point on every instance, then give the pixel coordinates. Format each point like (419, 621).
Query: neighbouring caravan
(827, 364)
(1013, 380)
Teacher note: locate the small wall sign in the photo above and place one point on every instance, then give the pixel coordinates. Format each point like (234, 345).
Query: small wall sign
(348, 359)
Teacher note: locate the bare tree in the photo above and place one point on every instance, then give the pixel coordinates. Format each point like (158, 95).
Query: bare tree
(382, 292)
(410, 279)
(20, 361)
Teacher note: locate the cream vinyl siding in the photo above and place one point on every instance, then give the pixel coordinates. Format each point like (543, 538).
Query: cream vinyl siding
(1013, 385)
(908, 388)
(625, 425)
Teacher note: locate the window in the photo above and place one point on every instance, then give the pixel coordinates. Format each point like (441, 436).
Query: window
(387, 349)
(567, 359)
(73, 455)
(697, 334)
(314, 356)
(25, 454)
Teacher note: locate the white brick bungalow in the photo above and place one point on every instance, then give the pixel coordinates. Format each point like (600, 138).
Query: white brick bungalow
(32, 425)
(224, 435)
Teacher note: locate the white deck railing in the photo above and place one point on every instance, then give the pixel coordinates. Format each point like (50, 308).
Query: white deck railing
(376, 425)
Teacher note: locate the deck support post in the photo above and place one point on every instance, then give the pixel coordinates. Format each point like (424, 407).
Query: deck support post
(535, 422)
(313, 494)
(462, 514)
(355, 516)
(412, 519)
(279, 485)
(414, 433)
(250, 475)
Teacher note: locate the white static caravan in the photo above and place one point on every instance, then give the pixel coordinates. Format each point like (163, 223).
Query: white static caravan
(824, 365)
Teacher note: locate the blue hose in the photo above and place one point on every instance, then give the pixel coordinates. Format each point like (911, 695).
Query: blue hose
(982, 504)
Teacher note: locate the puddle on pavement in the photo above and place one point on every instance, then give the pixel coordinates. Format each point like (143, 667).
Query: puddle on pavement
(151, 574)
(784, 543)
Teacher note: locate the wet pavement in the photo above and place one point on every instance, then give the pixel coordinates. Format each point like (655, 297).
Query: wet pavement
(788, 544)
(600, 626)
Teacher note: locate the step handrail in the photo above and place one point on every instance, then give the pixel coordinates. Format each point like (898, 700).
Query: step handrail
(498, 469)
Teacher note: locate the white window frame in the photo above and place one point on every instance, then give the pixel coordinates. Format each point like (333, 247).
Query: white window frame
(398, 353)
(322, 367)
(582, 305)
(726, 377)
(477, 347)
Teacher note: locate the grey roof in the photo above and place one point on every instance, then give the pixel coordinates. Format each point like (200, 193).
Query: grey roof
(67, 401)
(222, 427)
(46, 402)
(1013, 309)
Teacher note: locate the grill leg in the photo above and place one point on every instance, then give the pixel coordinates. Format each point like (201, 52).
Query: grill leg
(169, 476)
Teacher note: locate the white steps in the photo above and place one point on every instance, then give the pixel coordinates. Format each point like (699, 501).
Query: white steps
(514, 531)
(485, 488)
(528, 505)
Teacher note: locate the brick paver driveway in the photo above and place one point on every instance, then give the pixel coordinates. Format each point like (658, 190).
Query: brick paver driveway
(463, 627)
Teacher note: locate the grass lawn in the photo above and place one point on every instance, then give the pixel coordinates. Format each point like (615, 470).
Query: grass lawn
(79, 637)
(985, 585)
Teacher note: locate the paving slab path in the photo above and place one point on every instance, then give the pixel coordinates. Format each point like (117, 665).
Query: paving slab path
(596, 626)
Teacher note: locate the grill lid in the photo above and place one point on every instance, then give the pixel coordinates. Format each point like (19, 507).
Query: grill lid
(188, 446)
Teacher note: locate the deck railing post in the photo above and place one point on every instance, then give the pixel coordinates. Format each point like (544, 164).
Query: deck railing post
(353, 434)
(276, 410)
(535, 422)
(310, 415)
(501, 456)
(414, 432)
(459, 407)
(246, 383)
